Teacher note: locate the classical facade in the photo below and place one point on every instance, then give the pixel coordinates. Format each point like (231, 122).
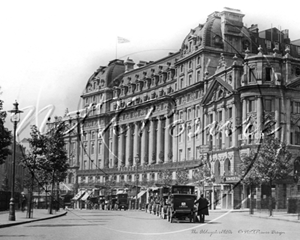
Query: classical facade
(206, 103)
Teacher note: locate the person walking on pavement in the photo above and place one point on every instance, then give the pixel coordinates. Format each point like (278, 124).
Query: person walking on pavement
(23, 201)
(202, 208)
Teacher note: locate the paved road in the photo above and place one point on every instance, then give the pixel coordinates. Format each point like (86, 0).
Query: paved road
(106, 225)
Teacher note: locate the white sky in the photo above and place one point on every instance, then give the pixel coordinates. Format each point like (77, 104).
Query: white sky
(48, 50)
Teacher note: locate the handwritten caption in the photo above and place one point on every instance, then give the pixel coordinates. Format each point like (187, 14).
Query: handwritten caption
(241, 231)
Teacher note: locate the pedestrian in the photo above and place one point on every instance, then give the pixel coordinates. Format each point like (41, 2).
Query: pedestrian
(23, 201)
(202, 208)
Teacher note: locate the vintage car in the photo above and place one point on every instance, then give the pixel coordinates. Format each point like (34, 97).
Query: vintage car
(122, 201)
(181, 201)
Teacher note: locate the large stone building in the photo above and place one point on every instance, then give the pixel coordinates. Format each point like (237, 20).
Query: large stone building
(190, 107)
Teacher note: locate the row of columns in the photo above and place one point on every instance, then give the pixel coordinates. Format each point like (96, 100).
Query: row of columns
(143, 139)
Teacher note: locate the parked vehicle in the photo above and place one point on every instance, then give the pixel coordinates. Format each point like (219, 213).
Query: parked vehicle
(122, 201)
(181, 206)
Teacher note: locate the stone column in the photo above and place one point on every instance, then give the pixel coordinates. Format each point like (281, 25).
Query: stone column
(115, 143)
(223, 130)
(144, 144)
(151, 140)
(288, 121)
(136, 142)
(201, 132)
(128, 144)
(277, 117)
(244, 117)
(283, 120)
(259, 117)
(235, 132)
(159, 142)
(205, 131)
(121, 149)
(193, 136)
(175, 138)
(214, 136)
(168, 139)
(184, 135)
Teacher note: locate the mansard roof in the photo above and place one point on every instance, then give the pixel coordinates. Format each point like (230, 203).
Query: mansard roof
(217, 85)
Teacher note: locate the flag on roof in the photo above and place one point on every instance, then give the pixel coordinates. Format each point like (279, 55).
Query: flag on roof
(122, 40)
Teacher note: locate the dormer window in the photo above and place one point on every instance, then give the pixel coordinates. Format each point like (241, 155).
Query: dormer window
(190, 64)
(245, 45)
(268, 44)
(190, 46)
(251, 75)
(268, 73)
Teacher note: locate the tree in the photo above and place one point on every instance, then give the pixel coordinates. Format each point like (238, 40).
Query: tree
(4, 185)
(166, 177)
(269, 164)
(202, 174)
(49, 154)
(5, 137)
(182, 176)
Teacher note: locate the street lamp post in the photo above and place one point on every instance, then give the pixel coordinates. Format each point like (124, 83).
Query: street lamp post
(15, 118)
(137, 159)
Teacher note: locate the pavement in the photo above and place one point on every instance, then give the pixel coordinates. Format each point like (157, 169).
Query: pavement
(277, 215)
(42, 214)
(21, 217)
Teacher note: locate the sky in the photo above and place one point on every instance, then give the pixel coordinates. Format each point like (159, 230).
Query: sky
(49, 49)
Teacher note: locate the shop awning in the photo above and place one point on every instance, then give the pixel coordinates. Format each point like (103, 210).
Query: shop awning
(78, 195)
(86, 195)
(140, 194)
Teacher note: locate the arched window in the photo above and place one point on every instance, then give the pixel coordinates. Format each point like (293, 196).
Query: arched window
(217, 174)
(227, 167)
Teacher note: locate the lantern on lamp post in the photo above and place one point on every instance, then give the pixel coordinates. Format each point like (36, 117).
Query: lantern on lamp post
(15, 118)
